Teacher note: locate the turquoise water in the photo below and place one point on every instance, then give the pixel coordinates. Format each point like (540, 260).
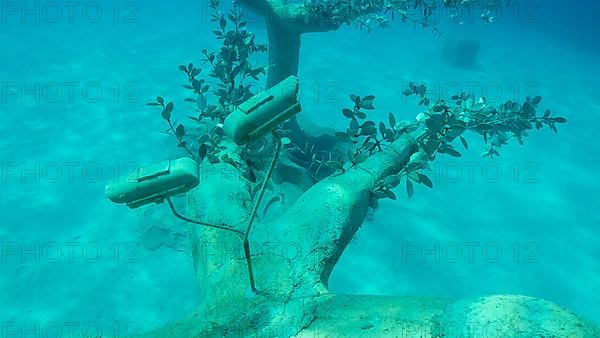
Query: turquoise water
(69, 255)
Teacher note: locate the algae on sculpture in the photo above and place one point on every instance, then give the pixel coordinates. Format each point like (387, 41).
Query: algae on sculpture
(336, 180)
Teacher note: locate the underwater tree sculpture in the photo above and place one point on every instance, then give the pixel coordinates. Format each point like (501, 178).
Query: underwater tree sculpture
(292, 299)
(294, 254)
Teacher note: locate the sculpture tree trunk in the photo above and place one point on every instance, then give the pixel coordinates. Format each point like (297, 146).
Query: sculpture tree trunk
(284, 53)
(285, 24)
(293, 258)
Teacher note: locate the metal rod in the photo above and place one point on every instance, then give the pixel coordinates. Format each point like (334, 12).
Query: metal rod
(223, 227)
(255, 209)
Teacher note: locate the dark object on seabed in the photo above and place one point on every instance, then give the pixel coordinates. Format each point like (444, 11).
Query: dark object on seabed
(460, 53)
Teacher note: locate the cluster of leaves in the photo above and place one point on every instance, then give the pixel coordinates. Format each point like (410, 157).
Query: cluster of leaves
(438, 128)
(385, 188)
(445, 122)
(365, 13)
(365, 135)
(231, 65)
(179, 131)
(231, 71)
(419, 90)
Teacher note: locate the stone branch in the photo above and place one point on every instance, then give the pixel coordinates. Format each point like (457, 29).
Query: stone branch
(286, 22)
(325, 218)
